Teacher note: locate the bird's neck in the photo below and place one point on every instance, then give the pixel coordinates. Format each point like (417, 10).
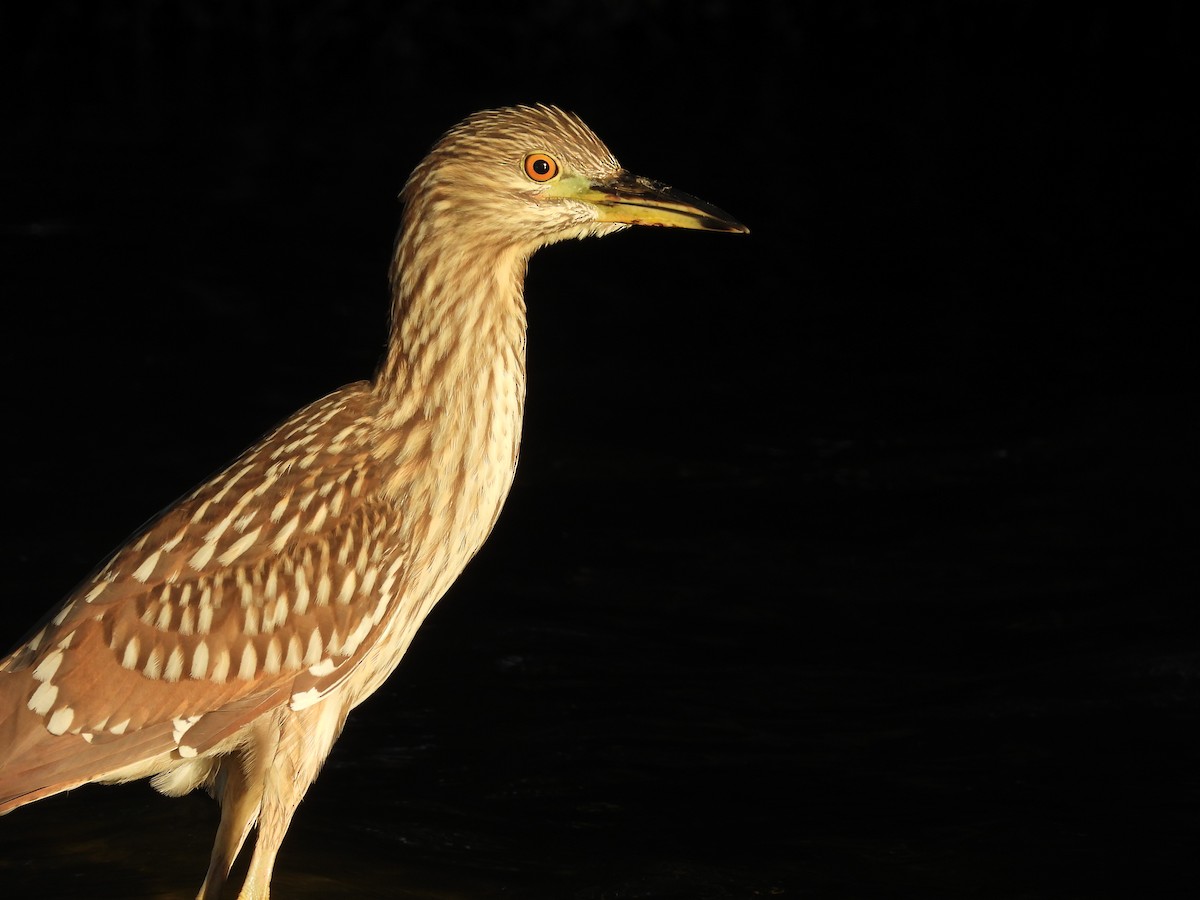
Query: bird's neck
(452, 385)
(458, 323)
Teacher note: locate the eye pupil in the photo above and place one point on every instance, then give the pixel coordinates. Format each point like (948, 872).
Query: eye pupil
(541, 166)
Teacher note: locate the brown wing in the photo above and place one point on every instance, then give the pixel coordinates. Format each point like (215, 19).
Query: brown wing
(264, 586)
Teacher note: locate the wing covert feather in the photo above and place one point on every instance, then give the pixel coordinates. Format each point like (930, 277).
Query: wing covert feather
(281, 567)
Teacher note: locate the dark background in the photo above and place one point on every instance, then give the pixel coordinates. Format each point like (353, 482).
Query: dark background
(848, 559)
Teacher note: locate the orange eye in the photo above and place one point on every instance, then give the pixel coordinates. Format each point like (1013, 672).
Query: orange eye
(540, 167)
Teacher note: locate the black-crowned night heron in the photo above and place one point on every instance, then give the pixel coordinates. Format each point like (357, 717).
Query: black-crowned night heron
(224, 645)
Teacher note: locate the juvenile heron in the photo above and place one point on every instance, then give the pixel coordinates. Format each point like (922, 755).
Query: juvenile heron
(224, 644)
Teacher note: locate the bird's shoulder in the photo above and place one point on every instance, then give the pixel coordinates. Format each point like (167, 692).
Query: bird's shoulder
(308, 474)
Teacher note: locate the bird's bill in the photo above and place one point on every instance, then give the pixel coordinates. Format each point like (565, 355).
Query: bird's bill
(633, 200)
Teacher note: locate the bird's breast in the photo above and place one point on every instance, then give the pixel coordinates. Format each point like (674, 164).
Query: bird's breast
(453, 454)
(475, 444)
(453, 470)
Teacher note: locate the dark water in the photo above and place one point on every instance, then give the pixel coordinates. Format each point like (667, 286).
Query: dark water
(850, 559)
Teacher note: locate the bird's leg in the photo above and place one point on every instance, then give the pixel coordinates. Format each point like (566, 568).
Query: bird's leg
(304, 740)
(239, 808)
(272, 826)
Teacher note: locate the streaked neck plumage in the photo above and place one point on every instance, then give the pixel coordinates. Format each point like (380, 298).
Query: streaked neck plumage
(454, 375)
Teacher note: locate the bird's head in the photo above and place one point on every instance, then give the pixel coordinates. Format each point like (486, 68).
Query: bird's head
(527, 176)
